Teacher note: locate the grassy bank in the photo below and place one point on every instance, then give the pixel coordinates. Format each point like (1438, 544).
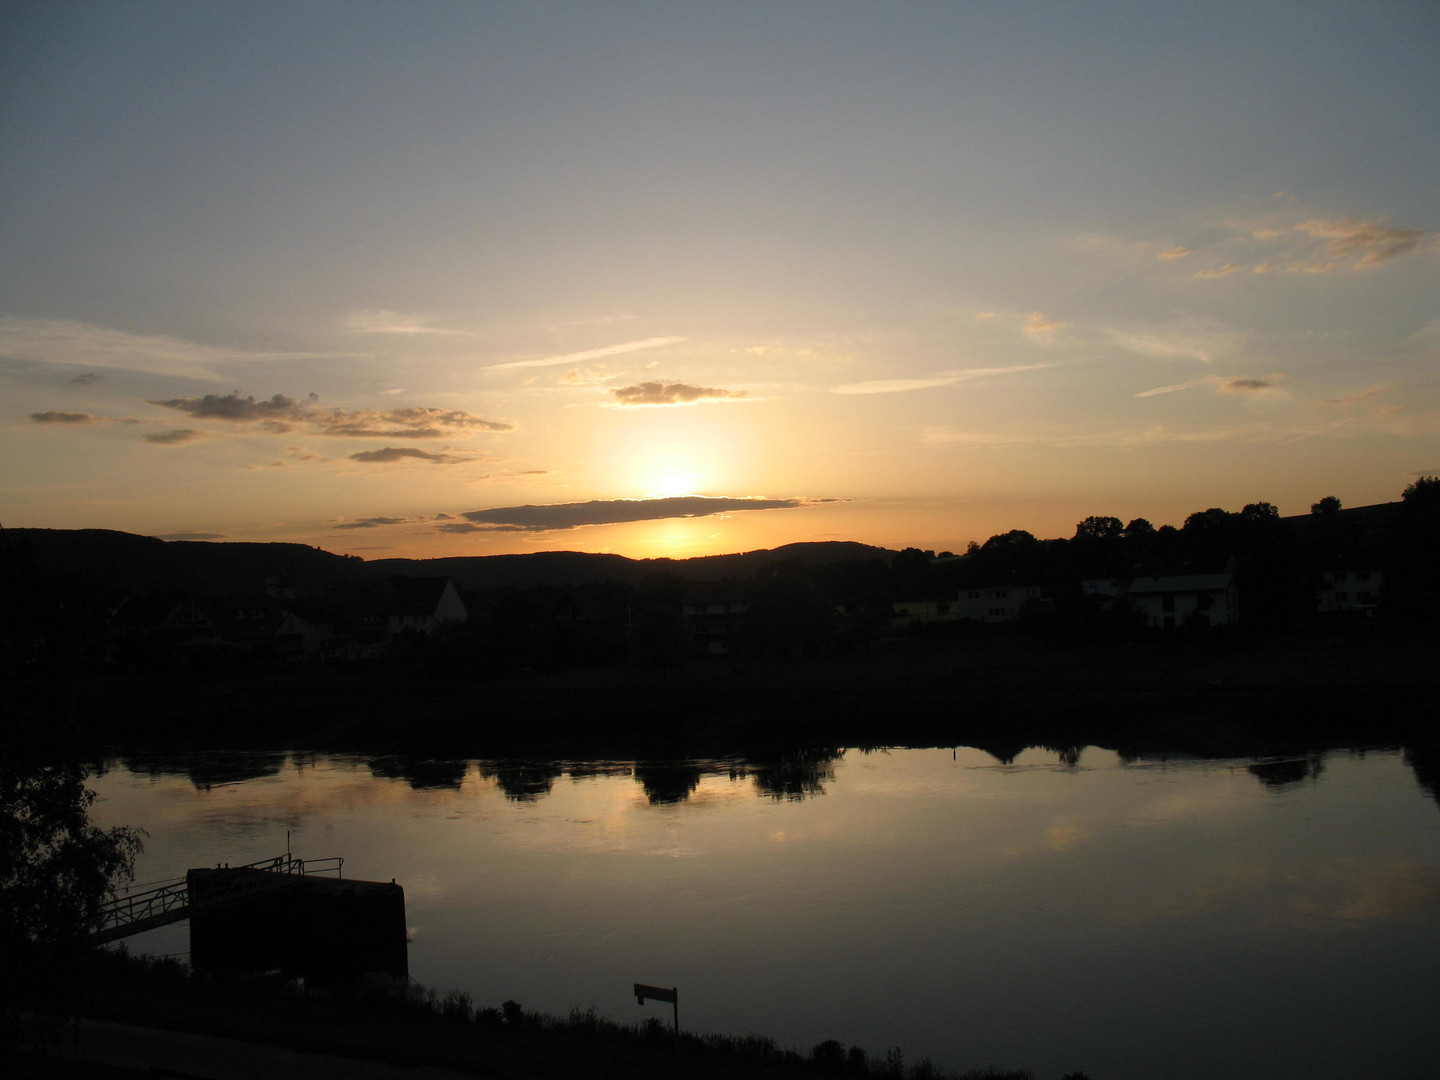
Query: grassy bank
(408, 1025)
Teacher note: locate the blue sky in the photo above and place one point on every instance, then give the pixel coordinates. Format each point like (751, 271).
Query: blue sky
(898, 273)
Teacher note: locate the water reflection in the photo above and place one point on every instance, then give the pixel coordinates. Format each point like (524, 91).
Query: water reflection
(789, 776)
(668, 782)
(204, 769)
(422, 774)
(1034, 895)
(1279, 772)
(522, 781)
(1425, 761)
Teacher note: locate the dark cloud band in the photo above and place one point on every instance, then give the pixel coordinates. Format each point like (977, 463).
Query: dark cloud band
(608, 512)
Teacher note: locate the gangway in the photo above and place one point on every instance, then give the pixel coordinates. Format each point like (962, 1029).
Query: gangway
(172, 902)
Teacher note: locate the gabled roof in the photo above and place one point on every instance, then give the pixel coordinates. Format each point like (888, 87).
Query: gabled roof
(415, 595)
(1182, 583)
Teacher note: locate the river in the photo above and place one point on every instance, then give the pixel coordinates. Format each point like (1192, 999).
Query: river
(1056, 910)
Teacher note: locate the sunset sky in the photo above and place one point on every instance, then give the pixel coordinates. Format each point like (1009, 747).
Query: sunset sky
(685, 278)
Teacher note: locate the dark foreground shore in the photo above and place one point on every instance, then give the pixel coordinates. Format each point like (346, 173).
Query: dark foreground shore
(408, 1027)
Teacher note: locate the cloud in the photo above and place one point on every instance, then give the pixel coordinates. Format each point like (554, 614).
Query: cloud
(943, 378)
(1246, 385)
(1359, 395)
(68, 343)
(234, 408)
(281, 415)
(414, 422)
(1218, 271)
(376, 522)
(62, 418)
(658, 393)
(607, 512)
(1177, 252)
(86, 379)
(391, 454)
(589, 354)
(1224, 384)
(594, 375)
(1371, 243)
(1040, 326)
(1319, 246)
(178, 437)
(1181, 339)
(385, 321)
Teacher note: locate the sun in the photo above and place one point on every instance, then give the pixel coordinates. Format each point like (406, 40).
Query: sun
(668, 483)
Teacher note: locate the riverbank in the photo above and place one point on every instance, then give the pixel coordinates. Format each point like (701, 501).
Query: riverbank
(1221, 694)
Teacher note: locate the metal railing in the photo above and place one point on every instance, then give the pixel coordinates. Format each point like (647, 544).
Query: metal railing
(171, 901)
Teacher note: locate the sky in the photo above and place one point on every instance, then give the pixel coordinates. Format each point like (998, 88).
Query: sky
(422, 279)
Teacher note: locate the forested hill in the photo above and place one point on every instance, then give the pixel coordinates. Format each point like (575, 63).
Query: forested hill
(145, 564)
(579, 568)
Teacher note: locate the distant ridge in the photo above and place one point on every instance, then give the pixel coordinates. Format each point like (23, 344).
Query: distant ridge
(129, 562)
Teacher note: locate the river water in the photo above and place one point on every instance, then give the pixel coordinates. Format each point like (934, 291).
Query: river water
(1054, 910)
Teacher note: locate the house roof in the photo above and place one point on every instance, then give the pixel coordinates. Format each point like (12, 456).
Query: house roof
(1182, 583)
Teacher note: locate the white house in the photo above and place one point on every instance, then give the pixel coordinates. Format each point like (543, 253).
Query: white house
(1355, 591)
(994, 603)
(1168, 602)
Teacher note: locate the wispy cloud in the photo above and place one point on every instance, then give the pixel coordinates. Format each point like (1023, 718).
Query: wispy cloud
(85, 379)
(1369, 243)
(62, 418)
(606, 512)
(1182, 338)
(589, 354)
(661, 393)
(1314, 246)
(1218, 271)
(926, 382)
(67, 343)
(1042, 327)
(177, 437)
(1177, 252)
(1359, 395)
(281, 415)
(385, 321)
(378, 522)
(594, 375)
(1224, 384)
(391, 454)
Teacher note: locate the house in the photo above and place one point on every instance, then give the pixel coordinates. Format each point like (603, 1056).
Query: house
(422, 605)
(1349, 591)
(994, 603)
(906, 613)
(713, 611)
(1196, 599)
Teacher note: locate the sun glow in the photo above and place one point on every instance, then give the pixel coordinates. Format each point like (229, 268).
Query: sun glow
(665, 485)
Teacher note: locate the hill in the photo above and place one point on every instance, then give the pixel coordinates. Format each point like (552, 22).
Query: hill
(143, 563)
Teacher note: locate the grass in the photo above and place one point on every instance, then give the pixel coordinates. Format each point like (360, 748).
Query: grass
(405, 1023)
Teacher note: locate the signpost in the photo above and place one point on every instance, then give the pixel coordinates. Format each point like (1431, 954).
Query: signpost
(660, 993)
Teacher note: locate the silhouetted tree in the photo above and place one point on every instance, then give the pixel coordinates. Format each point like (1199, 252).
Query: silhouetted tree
(56, 870)
(1099, 529)
(1328, 505)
